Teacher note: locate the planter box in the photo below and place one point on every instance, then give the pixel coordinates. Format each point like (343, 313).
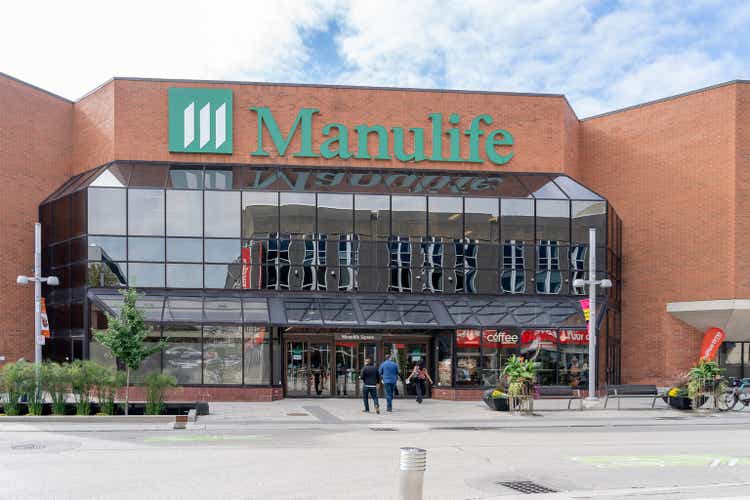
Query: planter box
(133, 408)
(497, 404)
(684, 403)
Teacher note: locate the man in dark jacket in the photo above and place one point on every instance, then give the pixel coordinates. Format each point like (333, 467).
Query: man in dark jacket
(370, 379)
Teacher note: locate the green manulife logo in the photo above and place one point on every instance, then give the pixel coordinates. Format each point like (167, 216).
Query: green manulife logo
(200, 120)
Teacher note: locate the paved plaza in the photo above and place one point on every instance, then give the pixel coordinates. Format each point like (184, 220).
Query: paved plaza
(311, 449)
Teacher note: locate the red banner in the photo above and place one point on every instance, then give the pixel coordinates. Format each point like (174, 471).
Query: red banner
(712, 339)
(499, 338)
(468, 338)
(245, 267)
(565, 337)
(45, 321)
(577, 337)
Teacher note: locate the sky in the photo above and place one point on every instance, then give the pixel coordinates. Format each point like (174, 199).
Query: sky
(602, 55)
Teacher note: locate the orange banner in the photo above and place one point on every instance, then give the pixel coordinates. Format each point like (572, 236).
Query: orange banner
(712, 339)
(45, 320)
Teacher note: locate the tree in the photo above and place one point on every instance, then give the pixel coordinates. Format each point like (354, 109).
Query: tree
(125, 336)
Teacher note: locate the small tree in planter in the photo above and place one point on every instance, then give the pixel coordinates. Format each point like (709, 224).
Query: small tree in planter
(12, 382)
(56, 382)
(520, 374)
(107, 382)
(704, 381)
(156, 384)
(125, 336)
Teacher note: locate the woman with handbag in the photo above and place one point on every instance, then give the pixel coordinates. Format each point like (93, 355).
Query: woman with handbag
(420, 376)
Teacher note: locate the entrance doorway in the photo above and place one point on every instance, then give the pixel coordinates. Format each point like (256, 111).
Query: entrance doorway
(329, 364)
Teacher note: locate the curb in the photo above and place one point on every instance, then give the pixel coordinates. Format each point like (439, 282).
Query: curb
(90, 419)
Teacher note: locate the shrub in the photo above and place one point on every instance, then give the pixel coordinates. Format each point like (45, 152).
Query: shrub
(156, 384)
(520, 374)
(704, 378)
(56, 382)
(82, 380)
(12, 381)
(30, 388)
(108, 380)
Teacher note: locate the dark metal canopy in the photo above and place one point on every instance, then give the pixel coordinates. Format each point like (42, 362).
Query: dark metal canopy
(347, 310)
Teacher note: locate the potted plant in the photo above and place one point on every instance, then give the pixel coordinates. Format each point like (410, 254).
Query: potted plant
(496, 399)
(704, 381)
(520, 374)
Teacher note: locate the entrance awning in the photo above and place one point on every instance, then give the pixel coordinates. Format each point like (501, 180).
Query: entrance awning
(347, 310)
(732, 316)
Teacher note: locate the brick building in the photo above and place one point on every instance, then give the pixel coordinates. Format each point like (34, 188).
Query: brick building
(282, 233)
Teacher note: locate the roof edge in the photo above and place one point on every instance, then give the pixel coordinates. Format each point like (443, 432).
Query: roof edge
(18, 80)
(668, 98)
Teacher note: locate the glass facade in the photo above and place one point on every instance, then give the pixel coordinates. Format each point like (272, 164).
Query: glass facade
(499, 238)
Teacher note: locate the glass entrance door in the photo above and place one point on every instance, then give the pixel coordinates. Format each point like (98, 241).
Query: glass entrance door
(406, 355)
(346, 370)
(308, 369)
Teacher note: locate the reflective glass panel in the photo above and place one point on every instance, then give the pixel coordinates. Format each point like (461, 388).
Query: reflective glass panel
(542, 186)
(223, 213)
(255, 310)
(587, 214)
(148, 176)
(260, 213)
(481, 218)
(223, 310)
(184, 250)
(335, 213)
(517, 219)
(148, 249)
(446, 217)
(218, 178)
(184, 213)
(222, 250)
(115, 176)
(297, 213)
(372, 216)
(223, 276)
(185, 178)
(574, 190)
(146, 275)
(152, 364)
(409, 217)
(146, 212)
(183, 309)
(257, 355)
(222, 355)
(106, 211)
(106, 247)
(183, 355)
(184, 276)
(552, 220)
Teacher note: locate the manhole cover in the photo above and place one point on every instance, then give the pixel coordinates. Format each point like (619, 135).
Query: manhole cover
(28, 446)
(526, 487)
(297, 414)
(383, 429)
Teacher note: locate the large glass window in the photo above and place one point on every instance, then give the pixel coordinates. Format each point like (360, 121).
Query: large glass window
(297, 213)
(223, 276)
(184, 276)
(152, 363)
(145, 275)
(444, 360)
(446, 217)
(146, 249)
(335, 213)
(497, 347)
(184, 250)
(372, 216)
(222, 355)
(223, 214)
(257, 355)
(106, 248)
(260, 213)
(184, 213)
(106, 211)
(185, 178)
(182, 357)
(146, 212)
(467, 357)
(482, 219)
(222, 250)
(409, 216)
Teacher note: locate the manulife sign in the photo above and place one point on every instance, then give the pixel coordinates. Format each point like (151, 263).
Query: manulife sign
(344, 141)
(200, 121)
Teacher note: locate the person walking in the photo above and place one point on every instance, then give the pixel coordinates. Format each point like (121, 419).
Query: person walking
(370, 378)
(388, 371)
(420, 377)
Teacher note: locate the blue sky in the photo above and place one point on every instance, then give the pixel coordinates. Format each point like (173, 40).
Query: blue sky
(601, 55)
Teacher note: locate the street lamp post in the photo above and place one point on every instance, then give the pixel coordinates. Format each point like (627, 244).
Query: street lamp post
(592, 283)
(37, 279)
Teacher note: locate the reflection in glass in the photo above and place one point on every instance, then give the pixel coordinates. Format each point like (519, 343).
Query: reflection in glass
(513, 277)
(348, 254)
(260, 213)
(146, 212)
(223, 214)
(372, 216)
(183, 355)
(222, 250)
(106, 211)
(184, 250)
(185, 178)
(444, 360)
(446, 217)
(146, 275)
(257, 355)
(152, 364)
(517, 219)
(482, 219)
(184, 213)
(184, 276)
(222, 355)
(297, 213)
(432, 264)
(106, 247)
(223, 275)
(218, 178)
(408, 214)
(585, 215)
(335, 213)
(400, 251)
(552, 220)
(148, 249)
(578, 264)
(548, 276)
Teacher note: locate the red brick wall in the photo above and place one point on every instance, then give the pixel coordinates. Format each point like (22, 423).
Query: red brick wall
(742, 193)
(94, 129)
(210, 393)
(668, 169)
(457, 394)
(36, 135)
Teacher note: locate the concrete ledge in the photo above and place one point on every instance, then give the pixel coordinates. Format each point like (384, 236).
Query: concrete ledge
(90, 419)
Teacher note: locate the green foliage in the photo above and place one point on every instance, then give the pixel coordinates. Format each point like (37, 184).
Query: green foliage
(520, 374)
(125, 337)
(108, 380)
(156, 384)
(704, 378)
(12, 380)
(83, 377)
(56, 382)
(30, 388)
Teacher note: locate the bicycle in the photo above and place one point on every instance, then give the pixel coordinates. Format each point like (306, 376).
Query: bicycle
(737, 395)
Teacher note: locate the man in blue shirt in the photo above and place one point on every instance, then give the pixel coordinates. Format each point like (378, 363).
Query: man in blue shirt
(389, 375)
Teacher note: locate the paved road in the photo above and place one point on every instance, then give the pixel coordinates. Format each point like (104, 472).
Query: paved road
(311, 449)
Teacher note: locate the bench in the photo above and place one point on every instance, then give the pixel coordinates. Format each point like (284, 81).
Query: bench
(560, 392)
(619, 392)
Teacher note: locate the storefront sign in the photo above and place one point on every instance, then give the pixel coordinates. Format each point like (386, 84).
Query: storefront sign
(354, 336)
(579, 337)
(565, 337)
(335, 141)
(499, 338)
(468, 338)
(200, 120)
(712, 339)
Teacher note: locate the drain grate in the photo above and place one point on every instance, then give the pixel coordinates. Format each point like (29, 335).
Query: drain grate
(526, 487)
(28, 446)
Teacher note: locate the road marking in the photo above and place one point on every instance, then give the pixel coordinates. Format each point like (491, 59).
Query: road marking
(614, 461)
(206, 437)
